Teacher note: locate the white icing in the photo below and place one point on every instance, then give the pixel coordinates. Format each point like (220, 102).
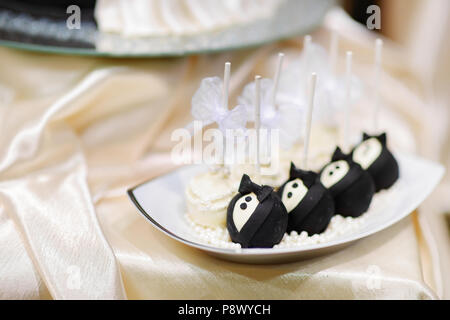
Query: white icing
(292, 196)
(211, 186)
(141, 18)
(108, 16)
(208, 196)
(334, 172)
(249, 202)
(367, 152)
(174, 14)
(177, 17)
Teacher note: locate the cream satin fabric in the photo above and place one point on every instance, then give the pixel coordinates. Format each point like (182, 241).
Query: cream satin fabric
(76, 132)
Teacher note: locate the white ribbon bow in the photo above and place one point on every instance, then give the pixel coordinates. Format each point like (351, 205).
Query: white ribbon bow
(286, 117)
(207, 106)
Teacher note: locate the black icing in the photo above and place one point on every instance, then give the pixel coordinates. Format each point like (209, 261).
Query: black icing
(315, 210)
(384, 170)
(354, 192)
(267, 225)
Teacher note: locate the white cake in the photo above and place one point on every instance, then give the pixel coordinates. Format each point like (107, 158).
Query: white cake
(140, 18)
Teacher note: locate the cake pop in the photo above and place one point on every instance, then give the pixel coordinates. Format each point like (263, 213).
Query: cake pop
(373, 156)
(309, 204)
(256, 217)
(351, 187)
(210, 105)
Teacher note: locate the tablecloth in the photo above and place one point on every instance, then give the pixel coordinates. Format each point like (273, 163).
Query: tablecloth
(76, 132)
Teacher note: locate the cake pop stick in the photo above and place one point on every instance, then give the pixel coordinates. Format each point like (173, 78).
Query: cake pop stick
(306, 47)
(348, 80)
(334, 50)
(311, 91)
(377, 75)
(309, 204)
(226, 85)
(307, 42)
(277, 78)
(258, 121)
(372, 153)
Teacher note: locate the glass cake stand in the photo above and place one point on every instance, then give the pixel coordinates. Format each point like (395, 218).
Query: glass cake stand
(36, 28)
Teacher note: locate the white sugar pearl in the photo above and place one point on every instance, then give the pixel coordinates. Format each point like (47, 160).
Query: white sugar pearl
(338, 226)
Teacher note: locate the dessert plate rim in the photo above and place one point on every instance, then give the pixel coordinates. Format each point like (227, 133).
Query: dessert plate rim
(226, 252)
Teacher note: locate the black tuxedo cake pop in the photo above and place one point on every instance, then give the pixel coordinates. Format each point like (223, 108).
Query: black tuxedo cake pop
(256, 217)
(309, 204)
(373, 155)
(351, 187)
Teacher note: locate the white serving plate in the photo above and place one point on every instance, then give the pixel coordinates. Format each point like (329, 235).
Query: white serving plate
(162, 202)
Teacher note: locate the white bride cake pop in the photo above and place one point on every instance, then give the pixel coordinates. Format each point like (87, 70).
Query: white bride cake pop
(330, 98)
(330, 90)
(208, 194)
(283, 117)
